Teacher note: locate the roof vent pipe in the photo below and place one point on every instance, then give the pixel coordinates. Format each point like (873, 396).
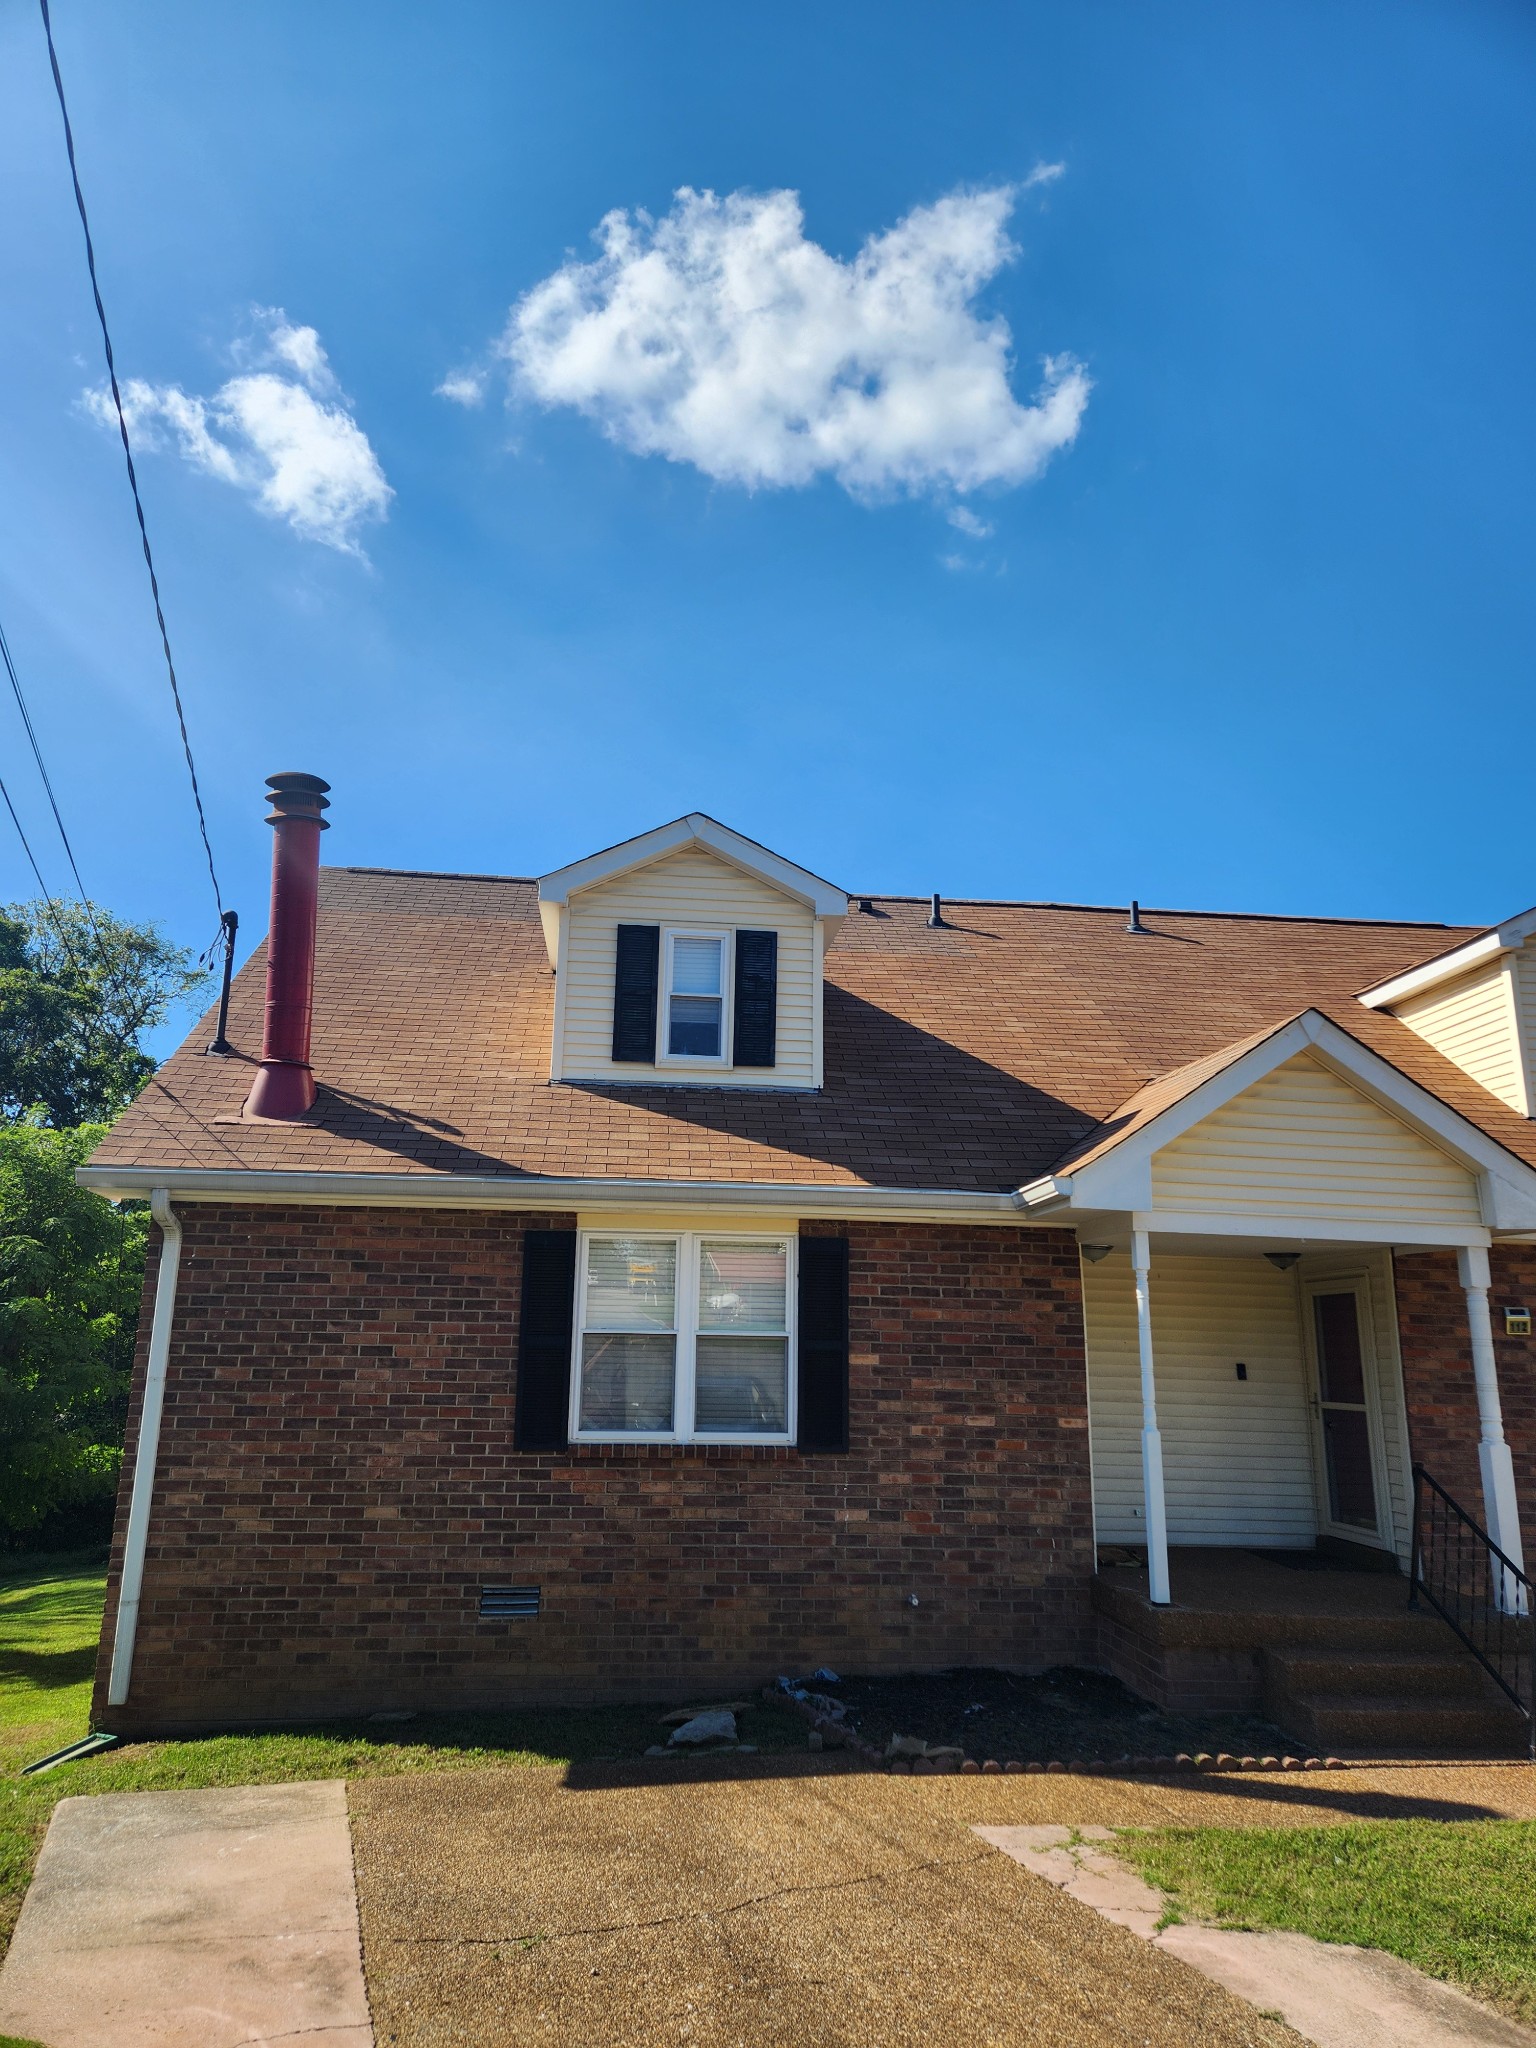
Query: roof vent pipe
(936, 914)
(285, 1088)
(1135, 924)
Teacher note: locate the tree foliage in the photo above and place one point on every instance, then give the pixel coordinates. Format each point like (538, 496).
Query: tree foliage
(71, 1267)
(78, 990)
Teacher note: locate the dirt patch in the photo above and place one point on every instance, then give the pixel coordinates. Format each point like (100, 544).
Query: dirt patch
(1061, 1715)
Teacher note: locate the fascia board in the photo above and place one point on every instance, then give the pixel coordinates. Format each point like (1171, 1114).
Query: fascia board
(1447, 968)
(550, 914)
(541, 1192)
(560, 885)
(696, 830)
(1120, 1180)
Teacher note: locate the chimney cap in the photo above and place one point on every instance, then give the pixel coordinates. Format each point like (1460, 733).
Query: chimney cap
(295, 795)
(293, 778)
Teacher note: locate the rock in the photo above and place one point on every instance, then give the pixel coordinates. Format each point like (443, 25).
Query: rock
(825, 1704)
(718, 1725)
(658, 1749)
(906, 1745)
(814, 1739)
(746, 1749)
(394, 1717)
(681, 1714)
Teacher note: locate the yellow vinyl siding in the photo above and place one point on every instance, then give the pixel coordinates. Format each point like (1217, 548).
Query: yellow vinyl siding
(1237, 1458)
(1472, 1022)
(1524, 968)
(694, 888)
(1301, 1142)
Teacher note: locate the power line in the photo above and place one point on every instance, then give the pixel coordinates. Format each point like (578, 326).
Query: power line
(53, 908)
(42, 769)
(133, 481)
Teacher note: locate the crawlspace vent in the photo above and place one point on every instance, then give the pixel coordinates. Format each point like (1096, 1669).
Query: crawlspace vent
(510, 1603)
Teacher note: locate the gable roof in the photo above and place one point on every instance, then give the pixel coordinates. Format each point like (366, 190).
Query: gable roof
(973, 1057)
(825, 898)
(1160, 1114)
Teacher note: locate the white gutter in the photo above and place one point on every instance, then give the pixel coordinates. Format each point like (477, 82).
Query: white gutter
(542, 1192)
(148, 1447)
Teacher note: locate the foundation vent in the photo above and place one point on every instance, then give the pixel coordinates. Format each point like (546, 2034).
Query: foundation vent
(510, 1603)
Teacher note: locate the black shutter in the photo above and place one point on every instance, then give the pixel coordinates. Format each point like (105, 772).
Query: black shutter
(634, 992)
(544, 1340)
(823, 1344)
(757, 998)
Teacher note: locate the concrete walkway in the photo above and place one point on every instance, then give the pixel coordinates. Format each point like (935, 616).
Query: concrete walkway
(1334, 1995)
(191, 1920)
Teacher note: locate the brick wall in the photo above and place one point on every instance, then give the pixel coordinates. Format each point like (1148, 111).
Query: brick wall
(337, 1480)
(1437, 1373)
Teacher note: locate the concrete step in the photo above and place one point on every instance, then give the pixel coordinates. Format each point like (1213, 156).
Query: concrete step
(1305, 1670)
(1401, 1724)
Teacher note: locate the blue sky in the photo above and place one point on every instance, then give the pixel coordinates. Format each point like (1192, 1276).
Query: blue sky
(1258, 636)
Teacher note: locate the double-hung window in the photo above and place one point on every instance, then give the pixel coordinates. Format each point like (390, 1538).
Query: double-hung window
(684, 1337)
(694, 1022)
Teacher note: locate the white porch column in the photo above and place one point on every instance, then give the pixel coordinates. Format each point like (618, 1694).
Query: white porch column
(1499, 1505)
(1155, 1506)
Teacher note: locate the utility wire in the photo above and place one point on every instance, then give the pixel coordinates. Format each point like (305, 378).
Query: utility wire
(42, 769)
(133, 481)
(53, 908)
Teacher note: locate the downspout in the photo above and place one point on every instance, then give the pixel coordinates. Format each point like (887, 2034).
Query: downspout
(148, 1446)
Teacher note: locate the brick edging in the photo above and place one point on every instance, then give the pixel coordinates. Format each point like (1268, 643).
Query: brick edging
(1223, 1763)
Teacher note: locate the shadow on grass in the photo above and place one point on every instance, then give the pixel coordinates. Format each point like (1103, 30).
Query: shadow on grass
(1349, 1802)
(47, 1670)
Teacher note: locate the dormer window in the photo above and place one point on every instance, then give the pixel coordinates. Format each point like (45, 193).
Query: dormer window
(696, 984)
(688, 958)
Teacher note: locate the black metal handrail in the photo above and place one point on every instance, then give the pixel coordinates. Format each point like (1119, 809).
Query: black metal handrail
(1477, 1591)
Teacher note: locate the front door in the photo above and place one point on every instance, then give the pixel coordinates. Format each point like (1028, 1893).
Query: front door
(1345, 1406)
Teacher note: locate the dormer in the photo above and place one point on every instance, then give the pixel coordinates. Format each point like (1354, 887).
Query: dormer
(1477, 1005)
(688, 957)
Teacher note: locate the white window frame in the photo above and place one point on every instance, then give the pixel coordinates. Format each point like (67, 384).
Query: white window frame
(686, 1327)
(664, 1058)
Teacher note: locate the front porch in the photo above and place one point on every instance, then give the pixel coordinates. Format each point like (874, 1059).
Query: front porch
(1334, 1656)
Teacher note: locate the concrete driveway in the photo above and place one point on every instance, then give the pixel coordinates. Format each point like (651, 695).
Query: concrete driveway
(606, 1907)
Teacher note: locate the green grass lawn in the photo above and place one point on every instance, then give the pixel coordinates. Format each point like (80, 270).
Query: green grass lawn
(1457, 1899)
(50, 1617)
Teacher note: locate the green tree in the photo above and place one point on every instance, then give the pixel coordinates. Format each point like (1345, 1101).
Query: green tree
(78, 990)
(71, 1266)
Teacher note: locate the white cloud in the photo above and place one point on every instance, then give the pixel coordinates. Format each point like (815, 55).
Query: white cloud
(964, 520)
(1043, 174)
(720, 336)
(464, 387)
(282, 432)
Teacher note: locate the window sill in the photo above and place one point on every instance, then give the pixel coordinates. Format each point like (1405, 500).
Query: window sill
(753, 1447)
(684, 1443)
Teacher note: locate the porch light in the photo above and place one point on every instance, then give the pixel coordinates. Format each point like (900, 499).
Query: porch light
(1282, 1261)
(1094, 1252)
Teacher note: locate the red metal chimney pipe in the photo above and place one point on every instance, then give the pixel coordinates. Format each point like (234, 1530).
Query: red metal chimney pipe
(285, 1088)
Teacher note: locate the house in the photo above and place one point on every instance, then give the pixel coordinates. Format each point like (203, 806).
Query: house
(672, 1271)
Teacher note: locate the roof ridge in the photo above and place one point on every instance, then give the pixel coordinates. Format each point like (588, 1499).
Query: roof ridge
(1430, 924)
(433, 875)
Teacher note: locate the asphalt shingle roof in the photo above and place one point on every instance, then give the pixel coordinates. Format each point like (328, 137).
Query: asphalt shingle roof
(973, 1057)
